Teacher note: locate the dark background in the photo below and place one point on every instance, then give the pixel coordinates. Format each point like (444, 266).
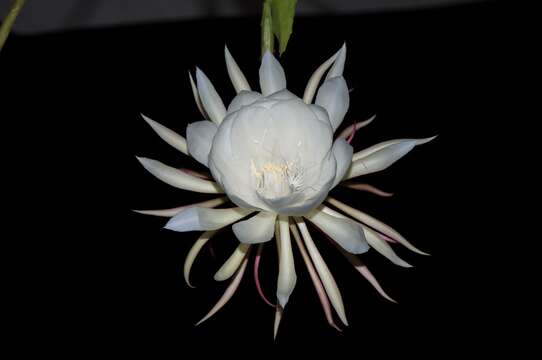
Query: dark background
(87, 275)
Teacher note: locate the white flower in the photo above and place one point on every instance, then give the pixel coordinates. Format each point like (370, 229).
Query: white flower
(274, 156)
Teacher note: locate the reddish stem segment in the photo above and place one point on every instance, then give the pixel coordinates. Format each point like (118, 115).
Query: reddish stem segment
(364, 270)
(385, 237)
(351, 137)
(324, 301)
(230, 290)
(348, 131)
(257, 277)
(361, 268)
(211, 250)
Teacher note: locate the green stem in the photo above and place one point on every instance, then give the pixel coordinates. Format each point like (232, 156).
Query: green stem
(8, 22)
(267, 28)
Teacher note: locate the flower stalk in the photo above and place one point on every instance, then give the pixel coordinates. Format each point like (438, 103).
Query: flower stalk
(9, 20)
(268, 41)
(277, 21)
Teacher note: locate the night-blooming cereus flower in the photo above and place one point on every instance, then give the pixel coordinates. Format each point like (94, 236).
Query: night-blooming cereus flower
(274, 156)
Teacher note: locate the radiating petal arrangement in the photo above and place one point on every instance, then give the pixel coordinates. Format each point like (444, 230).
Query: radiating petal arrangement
(275, 158)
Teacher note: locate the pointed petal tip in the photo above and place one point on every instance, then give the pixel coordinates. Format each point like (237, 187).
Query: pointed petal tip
(169, 225)
(404, 264)
(187, 281)
(333, 325)
(418, 251)
(142, 160)
(146, 118)
(199, 76)
(370, 120)
(426, 140)
(390, 299)
(278, 318)
(142, 212)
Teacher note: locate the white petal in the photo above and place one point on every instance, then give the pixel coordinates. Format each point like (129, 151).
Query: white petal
(272, 78)
(287, 276)
(193, 253)
(383, 248)
(370, 150)
(284, 94)
(328, 281)
(338, 65)
(237, 78)
(230, 290)
(174, 211)
(257, 229)
(332, 212)
(178, 178)
(199, 136)
(305, 137)
(321, 113)
(343, 156)
(334, 97)
(381, 156)
(211, 101)
(244, 98)
(374, 223)
(196, 97)
(315, 78)
(199, 219)
(169, 136)
(232, 264)
(347, 233)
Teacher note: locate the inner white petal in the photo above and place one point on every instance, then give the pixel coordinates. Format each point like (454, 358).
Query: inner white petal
(257, 229)
(199, 136)
(343, 156)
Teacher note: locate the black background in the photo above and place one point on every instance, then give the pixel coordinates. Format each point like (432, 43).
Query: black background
(87, 275)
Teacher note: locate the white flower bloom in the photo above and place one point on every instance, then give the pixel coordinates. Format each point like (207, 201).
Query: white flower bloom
(274, 155)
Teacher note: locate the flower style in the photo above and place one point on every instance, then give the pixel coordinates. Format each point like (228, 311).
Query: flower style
(273, 155)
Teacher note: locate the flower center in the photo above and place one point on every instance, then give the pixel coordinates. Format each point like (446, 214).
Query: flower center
(277, 179)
